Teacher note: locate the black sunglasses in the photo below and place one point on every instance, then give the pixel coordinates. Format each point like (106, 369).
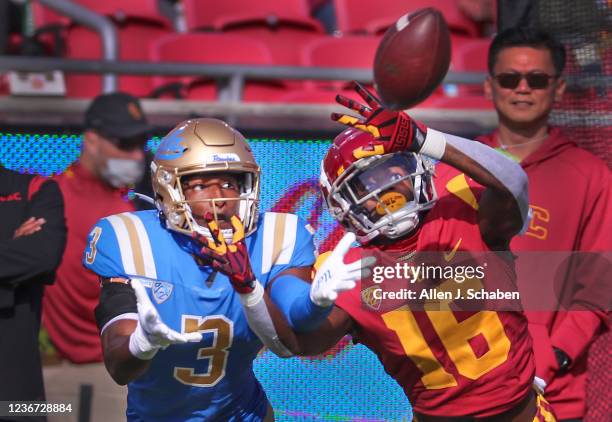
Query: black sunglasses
(535, 80)
(131, 143)
(126, 143)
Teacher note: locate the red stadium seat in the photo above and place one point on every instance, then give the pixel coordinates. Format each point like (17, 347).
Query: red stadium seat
(285, 43)
(282, 25)
(138, 22)
(145, 10)
(329, 51)
(469, 55)
(375, 17)
(351, 52)
(318, 96)
(84, 43)
(119, 10)
(332, 52)
(458, 103)
(219, 15)
(215, 48)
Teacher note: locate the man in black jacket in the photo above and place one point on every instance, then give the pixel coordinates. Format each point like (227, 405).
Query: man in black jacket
(32, 240)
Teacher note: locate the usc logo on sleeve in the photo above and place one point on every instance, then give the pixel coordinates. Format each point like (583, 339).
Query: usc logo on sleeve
(538, 223)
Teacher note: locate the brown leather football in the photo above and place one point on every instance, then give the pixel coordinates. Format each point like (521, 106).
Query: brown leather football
(412, 58)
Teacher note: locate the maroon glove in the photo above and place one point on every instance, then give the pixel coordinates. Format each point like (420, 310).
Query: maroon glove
(395, 128)
(231, 260)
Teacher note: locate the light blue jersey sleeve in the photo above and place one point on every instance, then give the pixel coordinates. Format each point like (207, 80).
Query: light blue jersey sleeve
(121, 245)
(288, 243)
(103, 254)
(303, 253)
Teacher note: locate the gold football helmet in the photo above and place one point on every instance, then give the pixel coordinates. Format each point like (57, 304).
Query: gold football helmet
(203, 146)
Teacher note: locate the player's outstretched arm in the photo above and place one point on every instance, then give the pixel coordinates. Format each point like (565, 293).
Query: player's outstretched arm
(122, 366)
(129, 345)
(337, 325)
(290, 303)
(302, 301)
(503, 208)
(307, 306)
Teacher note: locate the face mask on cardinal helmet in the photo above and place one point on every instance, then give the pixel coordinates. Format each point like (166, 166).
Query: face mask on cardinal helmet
(121, 172)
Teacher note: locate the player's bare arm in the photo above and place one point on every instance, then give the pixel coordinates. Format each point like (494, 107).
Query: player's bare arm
(331, 331)
(503, 206)
(120, 363)
(326, 284)
(500, 212)
(129, 345)
(337, 325)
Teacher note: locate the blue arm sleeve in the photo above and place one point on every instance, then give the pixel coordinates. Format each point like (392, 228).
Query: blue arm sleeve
(292, 296)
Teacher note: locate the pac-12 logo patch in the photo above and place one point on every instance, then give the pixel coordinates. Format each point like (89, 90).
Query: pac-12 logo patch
(162, 290)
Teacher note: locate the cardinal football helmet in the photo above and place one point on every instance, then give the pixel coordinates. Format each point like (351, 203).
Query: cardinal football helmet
(373, 193)
(203, 146)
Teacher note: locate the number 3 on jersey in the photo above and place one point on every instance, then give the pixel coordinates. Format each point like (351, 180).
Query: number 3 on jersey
(216, 354)
(90, 256)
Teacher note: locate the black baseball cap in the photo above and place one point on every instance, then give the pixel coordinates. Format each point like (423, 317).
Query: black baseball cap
(118, 117)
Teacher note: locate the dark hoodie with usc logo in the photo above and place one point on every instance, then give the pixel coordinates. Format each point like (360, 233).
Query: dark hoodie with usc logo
(570, 200)
(27, 262)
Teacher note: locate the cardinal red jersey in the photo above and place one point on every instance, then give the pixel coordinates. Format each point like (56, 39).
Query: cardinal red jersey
(449, 363)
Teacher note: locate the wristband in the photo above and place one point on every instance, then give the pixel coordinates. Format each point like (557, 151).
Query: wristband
(434, 145)
(254, 297)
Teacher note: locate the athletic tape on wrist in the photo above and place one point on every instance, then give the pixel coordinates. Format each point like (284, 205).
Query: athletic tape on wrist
(253, 298)
(258, 318)
(434, 145)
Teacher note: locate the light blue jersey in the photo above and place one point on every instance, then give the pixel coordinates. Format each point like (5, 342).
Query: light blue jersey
(213, 379)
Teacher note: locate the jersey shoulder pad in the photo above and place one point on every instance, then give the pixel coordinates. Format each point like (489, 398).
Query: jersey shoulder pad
(121, 245)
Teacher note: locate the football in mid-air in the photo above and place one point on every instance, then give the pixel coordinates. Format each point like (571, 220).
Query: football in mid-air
(412, 58)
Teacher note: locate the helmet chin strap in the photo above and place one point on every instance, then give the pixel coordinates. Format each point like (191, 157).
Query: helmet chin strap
(368, 237)
(400, 228)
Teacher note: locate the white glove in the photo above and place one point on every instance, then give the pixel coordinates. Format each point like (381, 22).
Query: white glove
(335, 276)
(151, 333)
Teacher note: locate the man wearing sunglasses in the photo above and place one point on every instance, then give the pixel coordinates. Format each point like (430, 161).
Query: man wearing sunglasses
(112, 161)
(569, 200)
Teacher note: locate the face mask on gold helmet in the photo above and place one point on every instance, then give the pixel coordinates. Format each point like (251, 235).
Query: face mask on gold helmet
(201, 146)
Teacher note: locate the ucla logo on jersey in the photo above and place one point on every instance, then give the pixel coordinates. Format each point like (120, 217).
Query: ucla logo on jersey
(162, 290)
